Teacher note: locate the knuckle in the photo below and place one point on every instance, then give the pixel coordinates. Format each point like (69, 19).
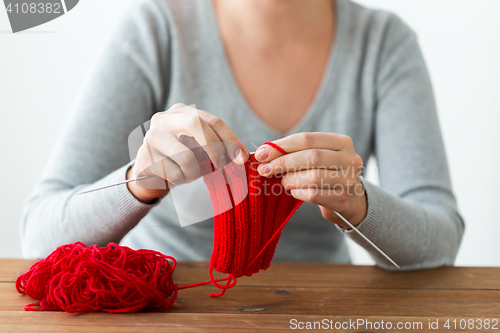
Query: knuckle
(305, 139)
(158, 121)
(213, 121)
(157, 116)
(357, 161)
(177, 106)
(175, 176)
(313, 156)
(150, 136)
(347, 141)
(279, 164)
(194, 122)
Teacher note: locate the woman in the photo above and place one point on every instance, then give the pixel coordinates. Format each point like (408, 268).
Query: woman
(329, 81)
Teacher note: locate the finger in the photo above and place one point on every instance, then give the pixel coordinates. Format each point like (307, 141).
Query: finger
(157, 176)
(165, 145)
(303, 141)
(160, 166)
(313, 178)
(199, 151)
(177, 107)
(184, 122)
(183, 125)
(235, 148)
(334, 199)
(302, 160)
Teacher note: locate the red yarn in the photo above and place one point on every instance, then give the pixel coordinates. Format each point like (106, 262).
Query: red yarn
(245, 237)
(116, 279)
(275, 146)
(77, 278)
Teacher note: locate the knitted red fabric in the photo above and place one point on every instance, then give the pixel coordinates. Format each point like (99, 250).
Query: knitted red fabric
(245, 237)
(77, 278)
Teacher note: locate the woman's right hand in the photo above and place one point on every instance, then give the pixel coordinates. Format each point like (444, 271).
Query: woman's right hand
(167, 150)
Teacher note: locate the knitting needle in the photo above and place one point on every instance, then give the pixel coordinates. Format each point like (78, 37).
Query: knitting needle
(366, 239)
(122, 182)
(115, 184)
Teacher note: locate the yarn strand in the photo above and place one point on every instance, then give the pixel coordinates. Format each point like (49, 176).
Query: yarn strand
(275, 146)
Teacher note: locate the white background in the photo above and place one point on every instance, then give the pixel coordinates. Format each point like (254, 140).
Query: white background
(41, 71)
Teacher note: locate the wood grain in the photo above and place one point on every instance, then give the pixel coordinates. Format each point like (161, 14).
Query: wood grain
(322, 275)
(194, 322)
(10, 269)
(339, 301)
(270, 299)
(353, 276)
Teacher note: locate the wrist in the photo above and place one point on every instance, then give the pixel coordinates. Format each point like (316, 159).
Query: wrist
(361, 211)
(142, 194)
(361, 208)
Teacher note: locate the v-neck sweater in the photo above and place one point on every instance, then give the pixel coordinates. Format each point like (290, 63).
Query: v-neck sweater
(375, 89)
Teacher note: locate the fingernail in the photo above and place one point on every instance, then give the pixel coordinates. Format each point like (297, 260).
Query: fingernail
(262, 153)
(239, 155)
(264, 169)
(222, 161)
(237, 152)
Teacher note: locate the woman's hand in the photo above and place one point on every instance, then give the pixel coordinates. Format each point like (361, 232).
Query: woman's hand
(321, 168)
(173, 146)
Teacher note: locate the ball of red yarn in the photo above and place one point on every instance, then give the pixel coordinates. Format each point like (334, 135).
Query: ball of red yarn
(114, 279)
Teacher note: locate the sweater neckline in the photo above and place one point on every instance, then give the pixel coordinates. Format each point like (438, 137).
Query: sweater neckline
(320, 99)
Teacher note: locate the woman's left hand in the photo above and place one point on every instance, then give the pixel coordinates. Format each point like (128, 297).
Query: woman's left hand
(320, 168)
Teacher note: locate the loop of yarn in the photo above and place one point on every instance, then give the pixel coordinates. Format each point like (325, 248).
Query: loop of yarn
(117, 279)
(275, 146)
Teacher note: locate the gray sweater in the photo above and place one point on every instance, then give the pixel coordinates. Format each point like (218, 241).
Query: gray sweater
(376, 90)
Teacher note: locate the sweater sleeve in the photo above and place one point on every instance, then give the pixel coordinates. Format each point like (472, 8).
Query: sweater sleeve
(413, 215)
(126, 85)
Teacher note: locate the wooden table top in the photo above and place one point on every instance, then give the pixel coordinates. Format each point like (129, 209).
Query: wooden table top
(289, 295)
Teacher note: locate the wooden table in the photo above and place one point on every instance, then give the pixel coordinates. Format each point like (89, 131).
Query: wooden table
(285, 296)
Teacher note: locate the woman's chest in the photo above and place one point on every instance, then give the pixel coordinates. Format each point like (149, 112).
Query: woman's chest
(278, 83)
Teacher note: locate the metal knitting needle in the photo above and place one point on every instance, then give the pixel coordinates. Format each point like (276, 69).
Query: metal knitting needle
(366, 239)
(115, 184)
(122, 182)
